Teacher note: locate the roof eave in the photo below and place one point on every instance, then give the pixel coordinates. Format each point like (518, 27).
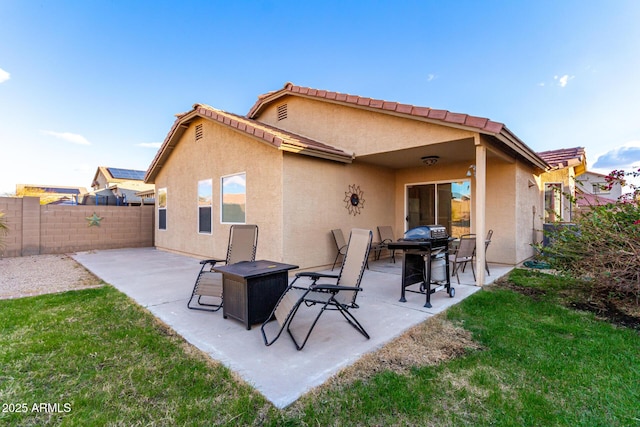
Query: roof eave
(308, 151)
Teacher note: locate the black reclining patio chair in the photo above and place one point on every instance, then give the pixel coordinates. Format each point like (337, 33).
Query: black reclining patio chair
(243, 240)
(340, 296)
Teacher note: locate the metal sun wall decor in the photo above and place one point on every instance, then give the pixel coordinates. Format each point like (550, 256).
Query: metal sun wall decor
(354, 199)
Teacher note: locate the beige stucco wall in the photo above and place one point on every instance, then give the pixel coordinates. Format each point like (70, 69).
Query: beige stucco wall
(220, 152)
(508, 206)
(294, 199)
(360, 131)
(297, 200)
(314, 199)
(565, 176)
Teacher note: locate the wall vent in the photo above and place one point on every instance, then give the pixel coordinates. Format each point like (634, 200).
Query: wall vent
(199, 132)
(282, 112)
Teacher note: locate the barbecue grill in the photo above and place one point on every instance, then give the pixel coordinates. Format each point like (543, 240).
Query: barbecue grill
(425, 261)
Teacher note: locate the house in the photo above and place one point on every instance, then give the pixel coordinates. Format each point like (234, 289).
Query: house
(305, 161)
(50, 194)
(593, 189)
(116, 186)
(559, 182)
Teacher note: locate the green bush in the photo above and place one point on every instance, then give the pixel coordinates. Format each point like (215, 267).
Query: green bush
(603, 246)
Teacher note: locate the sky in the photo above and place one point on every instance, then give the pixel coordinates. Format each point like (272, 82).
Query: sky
(98, 83)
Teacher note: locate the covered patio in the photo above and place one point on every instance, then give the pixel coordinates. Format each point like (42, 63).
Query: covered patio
(162, 282)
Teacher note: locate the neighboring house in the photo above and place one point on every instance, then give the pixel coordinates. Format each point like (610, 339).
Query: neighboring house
(121, 187)
(305, 161)
(559, 182)
(58, 195)
(593, 189)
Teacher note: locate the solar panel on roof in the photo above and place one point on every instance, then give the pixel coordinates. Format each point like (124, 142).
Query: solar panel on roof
(58, 190)
(126, 174)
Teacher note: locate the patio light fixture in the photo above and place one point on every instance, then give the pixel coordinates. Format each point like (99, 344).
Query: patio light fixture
(430, 160)
(471, 171)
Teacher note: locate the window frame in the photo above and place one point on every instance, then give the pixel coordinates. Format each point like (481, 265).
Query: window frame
(162, 207)
(558, 211)
(223, 219)
(203, 204)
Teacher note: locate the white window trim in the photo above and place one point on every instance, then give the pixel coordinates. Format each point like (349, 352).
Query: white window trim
(439, 182)
(198, 206)
(166, 202)
(222, 195)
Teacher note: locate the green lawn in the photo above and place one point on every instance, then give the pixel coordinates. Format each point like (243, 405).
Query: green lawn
(97, 359)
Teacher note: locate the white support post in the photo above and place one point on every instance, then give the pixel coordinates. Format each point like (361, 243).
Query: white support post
(481, 205)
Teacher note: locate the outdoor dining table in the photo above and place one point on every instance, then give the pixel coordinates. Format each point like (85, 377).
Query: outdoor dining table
(251, 289)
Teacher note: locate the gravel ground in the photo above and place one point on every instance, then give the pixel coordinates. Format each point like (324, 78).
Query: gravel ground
(42, 274)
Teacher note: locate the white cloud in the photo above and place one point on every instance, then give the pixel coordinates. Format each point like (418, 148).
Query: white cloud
(4, 75)
(431, 77)
(626, 156)
(68, 136)
(150, 144)
(563, 80)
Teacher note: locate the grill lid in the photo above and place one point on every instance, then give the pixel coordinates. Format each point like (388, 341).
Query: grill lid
(426, 232)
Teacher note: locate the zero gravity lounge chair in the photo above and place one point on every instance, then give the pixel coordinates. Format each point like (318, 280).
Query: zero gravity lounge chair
(243, 240)
(340, 295)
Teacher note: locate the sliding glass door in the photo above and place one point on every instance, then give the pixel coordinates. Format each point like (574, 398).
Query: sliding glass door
(447, 204)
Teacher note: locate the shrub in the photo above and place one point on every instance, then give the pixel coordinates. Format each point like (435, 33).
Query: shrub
(604, 245)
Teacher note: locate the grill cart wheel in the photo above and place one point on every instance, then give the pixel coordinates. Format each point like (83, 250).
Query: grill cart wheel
(452, 292)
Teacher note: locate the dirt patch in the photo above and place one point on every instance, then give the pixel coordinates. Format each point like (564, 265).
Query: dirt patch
(42, 274)
(621, 310)
(429, 343)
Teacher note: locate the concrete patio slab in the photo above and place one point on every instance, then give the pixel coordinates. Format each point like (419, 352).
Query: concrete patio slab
(162, 282)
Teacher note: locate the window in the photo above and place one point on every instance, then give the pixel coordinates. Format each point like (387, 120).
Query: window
(600, 188)
(162, 209)
(234, 198)
(204, 206)
(552, 202)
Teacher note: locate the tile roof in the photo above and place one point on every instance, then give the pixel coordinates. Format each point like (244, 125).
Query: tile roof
(278, 138)
(441, 117)
(444, 116)
(586, 199)
(564, 157)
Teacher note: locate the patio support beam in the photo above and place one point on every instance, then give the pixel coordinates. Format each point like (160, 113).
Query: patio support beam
(481, 205)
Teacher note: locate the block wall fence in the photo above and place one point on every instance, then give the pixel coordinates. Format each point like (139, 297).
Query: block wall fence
(36, 229)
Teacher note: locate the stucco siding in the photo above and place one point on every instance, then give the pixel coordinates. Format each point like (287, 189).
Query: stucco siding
(314, 196)
(530, 209)
(501, 216)
(219, 153)
(357, 130)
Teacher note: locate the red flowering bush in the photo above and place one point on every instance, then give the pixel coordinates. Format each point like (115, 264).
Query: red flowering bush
(604, 244)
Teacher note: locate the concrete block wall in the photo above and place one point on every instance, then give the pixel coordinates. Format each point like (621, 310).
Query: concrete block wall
(12, 209)
(53, 229)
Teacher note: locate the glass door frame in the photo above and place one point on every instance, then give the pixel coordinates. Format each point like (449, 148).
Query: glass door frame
(436, 183)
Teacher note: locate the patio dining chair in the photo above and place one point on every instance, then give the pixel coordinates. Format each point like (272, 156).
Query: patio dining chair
(464, 255)
(386, 237)
(339, 296)
(487, 242)
(243, 241)
(341, 245)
